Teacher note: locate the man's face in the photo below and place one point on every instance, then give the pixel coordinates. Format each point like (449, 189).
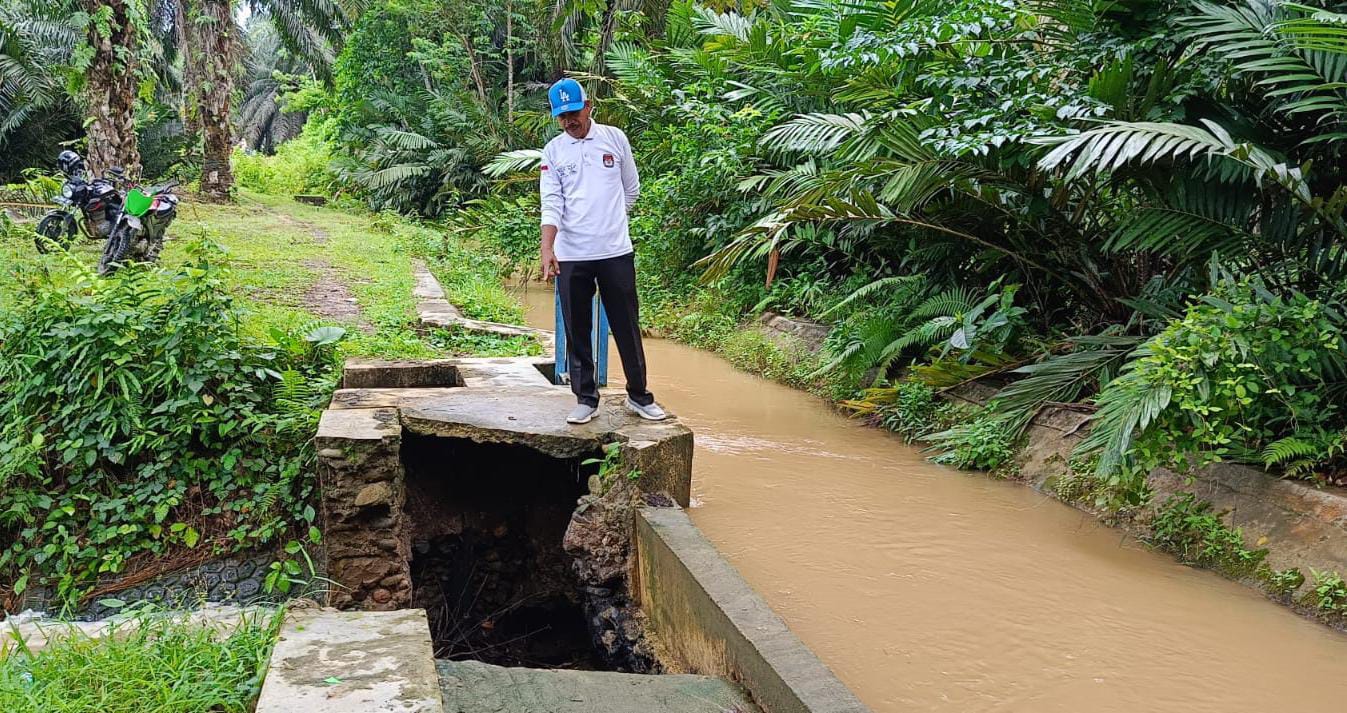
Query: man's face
(576, 123)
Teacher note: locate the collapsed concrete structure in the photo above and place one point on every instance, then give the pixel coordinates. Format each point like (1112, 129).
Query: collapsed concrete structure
(455, 487)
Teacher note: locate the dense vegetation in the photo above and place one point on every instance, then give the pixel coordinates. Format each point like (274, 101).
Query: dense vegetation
(1076, 198)
(1136, 206)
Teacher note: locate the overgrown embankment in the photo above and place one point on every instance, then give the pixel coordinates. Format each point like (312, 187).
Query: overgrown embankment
(162, 417)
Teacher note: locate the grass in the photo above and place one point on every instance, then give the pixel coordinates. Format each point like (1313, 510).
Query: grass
(147, 665)
(279, 250)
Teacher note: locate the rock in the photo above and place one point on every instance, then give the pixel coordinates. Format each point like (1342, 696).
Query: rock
(374, 494)
(248, 589)
(382, 596)
(330, 453)
(599, 537)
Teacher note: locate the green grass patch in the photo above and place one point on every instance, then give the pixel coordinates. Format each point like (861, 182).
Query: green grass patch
(146, 665)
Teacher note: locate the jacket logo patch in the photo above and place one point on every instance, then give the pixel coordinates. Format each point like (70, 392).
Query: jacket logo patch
(608, 160)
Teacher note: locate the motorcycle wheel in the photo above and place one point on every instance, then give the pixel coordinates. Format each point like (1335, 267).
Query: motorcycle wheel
(114, 250)
(56, 227)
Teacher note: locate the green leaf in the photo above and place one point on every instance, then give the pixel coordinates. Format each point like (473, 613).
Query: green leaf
(324, 336)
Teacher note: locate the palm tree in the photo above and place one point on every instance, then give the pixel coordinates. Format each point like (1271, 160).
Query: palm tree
(212, 51)
(269, 67)
(308, 29)
(110, 86)
(36, 40)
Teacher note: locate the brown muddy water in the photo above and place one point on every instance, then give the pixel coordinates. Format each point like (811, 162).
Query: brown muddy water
(928, 589)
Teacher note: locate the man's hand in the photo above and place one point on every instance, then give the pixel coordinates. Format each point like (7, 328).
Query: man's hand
(551, 268)
(548, 256)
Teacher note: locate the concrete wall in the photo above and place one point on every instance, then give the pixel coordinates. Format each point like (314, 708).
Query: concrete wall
(709, 621)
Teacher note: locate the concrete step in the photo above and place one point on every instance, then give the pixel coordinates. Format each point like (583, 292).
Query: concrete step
(474, 687)
(327, 661)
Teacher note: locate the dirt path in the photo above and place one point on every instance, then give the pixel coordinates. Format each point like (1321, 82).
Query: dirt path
(330, 297)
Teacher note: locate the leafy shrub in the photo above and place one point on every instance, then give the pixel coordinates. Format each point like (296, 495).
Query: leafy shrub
(696, 324)
(1240, 370)
(1187, 527)
(913, 410)
(1073, 487)
(299, 166)
(507, 226)
(1283, 582)
(1329, 594)
(983, 444)
(756, 353)
(147, 664)
(138, 419)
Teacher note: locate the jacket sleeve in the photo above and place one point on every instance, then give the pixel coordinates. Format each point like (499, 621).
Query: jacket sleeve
(631, 181)
(549, 192)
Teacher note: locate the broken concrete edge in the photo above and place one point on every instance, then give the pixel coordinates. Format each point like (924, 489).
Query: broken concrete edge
(434, 309)
(352, 662)
(710, 622)
(366, 548)
(1301, 526)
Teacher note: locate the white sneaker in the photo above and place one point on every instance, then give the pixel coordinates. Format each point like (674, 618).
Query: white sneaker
(583, 413)
(650, 413)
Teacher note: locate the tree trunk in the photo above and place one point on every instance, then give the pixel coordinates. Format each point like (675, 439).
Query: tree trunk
(509, 61)
(607, 28)
(211, 52)
(110, 90)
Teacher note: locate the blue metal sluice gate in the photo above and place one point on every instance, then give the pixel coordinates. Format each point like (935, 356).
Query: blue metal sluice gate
(598, 333)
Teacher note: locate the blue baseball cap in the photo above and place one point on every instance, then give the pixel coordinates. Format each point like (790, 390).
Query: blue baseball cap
(566, 95)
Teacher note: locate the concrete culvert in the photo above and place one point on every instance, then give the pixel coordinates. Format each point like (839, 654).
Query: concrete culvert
(486, 524)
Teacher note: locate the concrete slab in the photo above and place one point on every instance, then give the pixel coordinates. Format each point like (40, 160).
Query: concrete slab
(435, 310)
(392, 398)
(474, 687)
(531, 417)
(502, 373)
(426, 287)
(384, 374)
(352, 662)
(359, 424)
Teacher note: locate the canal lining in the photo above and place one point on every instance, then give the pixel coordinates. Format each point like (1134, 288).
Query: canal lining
(486, 523)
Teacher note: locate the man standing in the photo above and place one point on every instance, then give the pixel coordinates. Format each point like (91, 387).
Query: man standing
(588, 182)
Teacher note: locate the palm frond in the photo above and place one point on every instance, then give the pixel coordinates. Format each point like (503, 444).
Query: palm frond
(509, 162)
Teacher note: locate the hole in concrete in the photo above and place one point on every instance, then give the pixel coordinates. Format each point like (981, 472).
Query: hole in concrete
(487, 522)
(547, 369)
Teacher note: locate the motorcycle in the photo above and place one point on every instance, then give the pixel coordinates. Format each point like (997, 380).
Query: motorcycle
(87, 206)
(138, 233)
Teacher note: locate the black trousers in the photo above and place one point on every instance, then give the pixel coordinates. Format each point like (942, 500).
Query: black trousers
(615, 279)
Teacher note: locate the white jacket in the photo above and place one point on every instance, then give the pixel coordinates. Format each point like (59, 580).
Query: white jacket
(586, 186)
